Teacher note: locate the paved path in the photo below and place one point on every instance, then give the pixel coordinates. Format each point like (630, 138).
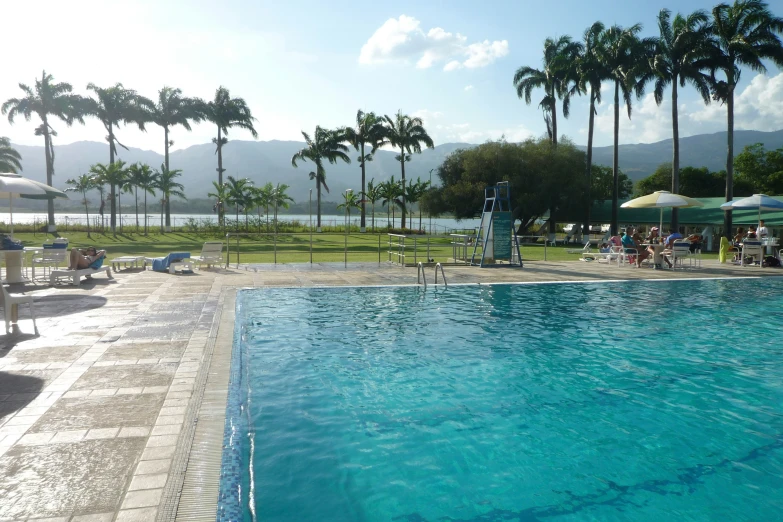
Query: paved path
(96, 414)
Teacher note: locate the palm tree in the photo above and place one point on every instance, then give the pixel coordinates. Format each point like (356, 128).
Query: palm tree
(415, 191)
(559, 59)
(137, 173)
(49, 99)
(350, 200)
(221, 197)
(682, 54)
(369, 130)
(325, 145)
(115, 106)
(147, 180)
(745, 33)
(114, 175)
(173, 109)
(237, 193)
(590, 72)
(263, 198)
(622, 51)
(373, 194)
(408, 134)
(227, 112)
(280, 199)
(82, 184)
(168, 187)
(10, 159)
(390, 198)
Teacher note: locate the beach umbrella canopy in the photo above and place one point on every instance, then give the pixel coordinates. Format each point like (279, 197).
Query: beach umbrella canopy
(14, 186)
(757, 201)
(662, 199)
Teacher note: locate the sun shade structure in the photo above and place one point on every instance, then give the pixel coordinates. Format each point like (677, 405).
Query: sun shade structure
(662, 199)
(756, 201)
(15, 186)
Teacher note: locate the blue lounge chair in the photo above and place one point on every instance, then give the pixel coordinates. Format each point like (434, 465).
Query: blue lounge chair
(161, 264)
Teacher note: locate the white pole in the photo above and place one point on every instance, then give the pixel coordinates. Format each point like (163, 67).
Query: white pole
(11, 208)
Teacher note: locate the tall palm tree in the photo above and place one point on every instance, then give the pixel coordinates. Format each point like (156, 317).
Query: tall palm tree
(408, 134)
(325, 145)
(10, 159)
(115, 106)
(279, 199)
(745, 33)
(137, 173)
(373, 194)
(590, 73)
(681, 57)
(350, 200)
(114, 175)
(147, 180)
(415, 191)
(559, 59)
(369, 131)
(82, 184)
(173, 109)
(47, 99)
(237, 193)
(168, 187)
(622, 51)
(220, 193)
(227, 112)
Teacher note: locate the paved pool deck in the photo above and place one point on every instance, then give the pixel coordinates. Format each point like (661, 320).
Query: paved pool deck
(101, 414)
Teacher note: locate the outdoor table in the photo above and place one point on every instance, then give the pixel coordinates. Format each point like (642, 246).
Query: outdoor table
(657, 253)
(770, 243)
(13, 266)
(27, 250)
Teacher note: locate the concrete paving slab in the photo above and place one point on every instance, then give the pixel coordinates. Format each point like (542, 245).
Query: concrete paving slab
(127, 375)
(100, 412)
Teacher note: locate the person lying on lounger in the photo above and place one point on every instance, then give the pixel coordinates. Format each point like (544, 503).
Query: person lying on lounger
(84, 258)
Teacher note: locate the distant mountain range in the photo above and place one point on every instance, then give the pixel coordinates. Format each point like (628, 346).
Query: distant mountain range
(265, 161)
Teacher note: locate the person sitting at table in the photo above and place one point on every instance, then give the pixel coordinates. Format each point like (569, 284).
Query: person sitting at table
(752, 232)
(762, 231)
(695, 241)
(739, 236)
(667, 244)
(84, 258)
(643, 253)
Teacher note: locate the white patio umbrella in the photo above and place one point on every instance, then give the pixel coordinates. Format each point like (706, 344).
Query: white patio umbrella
(14, 186)
(662, 199)
(757, 201)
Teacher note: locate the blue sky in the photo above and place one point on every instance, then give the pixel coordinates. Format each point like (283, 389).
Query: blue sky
(303, 63)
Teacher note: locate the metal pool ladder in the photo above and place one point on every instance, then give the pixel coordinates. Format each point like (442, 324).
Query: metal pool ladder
(421, 276)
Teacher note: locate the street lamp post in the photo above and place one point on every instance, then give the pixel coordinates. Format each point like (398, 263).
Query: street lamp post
(310, 210)
(275, 194)
(347, 213)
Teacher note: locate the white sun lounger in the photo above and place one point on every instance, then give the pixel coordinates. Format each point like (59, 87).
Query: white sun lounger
(75, 275)
(127, 262)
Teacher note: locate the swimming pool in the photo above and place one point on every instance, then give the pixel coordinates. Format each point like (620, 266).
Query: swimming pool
(609, 401)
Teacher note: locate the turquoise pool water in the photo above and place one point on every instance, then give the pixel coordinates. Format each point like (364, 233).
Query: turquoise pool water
(612, 401)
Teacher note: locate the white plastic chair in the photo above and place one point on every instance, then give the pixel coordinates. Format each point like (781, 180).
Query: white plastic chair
(211, 254)
(11, 307)
(679, 252)
(751, 249)
(51, 257)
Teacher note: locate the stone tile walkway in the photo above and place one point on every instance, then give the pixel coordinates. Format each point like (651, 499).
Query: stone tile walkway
(92, 411)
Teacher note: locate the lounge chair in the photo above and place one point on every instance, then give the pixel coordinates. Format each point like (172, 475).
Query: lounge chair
(11, 307)
(172, 262)
(75, 275)
(211, 254)
(585, 250)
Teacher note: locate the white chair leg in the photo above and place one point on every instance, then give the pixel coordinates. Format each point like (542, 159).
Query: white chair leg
(32, 316)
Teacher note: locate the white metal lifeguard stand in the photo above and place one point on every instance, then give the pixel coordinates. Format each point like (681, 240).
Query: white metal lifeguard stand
(496, 240)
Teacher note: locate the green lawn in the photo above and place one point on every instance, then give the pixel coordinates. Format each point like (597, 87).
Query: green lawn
(291, 248)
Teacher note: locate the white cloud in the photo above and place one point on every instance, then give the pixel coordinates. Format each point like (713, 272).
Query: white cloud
(468, 88)
(403, 39)
(758, 107)
(463, 133)
(427, 116)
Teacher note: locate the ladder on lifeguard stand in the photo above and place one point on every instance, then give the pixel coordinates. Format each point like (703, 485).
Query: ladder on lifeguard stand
(496, 236)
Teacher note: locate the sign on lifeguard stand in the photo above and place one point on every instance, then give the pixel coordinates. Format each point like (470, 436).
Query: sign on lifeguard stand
(496, 239)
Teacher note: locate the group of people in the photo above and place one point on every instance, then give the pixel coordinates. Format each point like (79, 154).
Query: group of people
(634, 244)
(753, 233)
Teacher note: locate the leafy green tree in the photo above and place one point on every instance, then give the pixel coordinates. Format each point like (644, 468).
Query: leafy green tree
(745, 34)
(623, 53)
(168, 187)
(115, 106)
(590, 73)
(173, 109)
(114, 175)
(558, 67)
(681, 57)
(227, 112)
(373, 195)
(409, 135)
(660, 179)
(414, 193)
(762, 168)
(10, 159)
(369, 131)
(262, 197)
(47, 100)
(147, 180)
(391, 197)
(325, 145)
(603, 184)
(82, 184)
(238, 194)
(137, 173)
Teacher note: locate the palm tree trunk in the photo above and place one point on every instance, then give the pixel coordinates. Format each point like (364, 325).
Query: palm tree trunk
(318, 199)
(119, 207)
(113, 195)
(168, 215)
(373, 216)
(136, 189)
(615, 157)
(727, 218)
(166, 145)
(221, 212)
(589, 174)
(363, 225)
(87, 211)
(145, 212)
(49, 172)
(552, 209)
(402, 210)
(675, 155)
